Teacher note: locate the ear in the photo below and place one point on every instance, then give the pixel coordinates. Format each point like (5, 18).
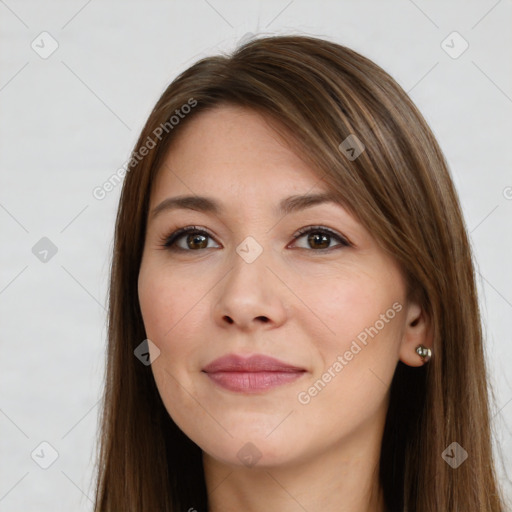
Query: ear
(417, 331)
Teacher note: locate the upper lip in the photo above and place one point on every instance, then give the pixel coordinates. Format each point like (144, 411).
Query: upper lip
(254, 363)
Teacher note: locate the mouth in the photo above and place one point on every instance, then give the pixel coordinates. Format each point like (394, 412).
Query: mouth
(251, 375)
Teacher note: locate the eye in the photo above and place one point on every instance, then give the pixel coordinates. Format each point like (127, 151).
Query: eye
(194, 239)
(319, 238)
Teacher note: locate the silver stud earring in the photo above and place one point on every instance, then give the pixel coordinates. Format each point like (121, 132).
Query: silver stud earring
(424, 352)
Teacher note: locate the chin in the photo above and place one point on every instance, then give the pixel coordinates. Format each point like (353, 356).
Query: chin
(252, 453)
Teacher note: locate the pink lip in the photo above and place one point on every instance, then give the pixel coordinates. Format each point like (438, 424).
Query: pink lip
(252, 374)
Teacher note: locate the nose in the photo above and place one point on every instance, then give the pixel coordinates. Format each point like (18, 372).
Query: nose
(250, 296)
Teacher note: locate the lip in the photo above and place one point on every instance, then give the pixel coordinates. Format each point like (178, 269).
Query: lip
(251, 374)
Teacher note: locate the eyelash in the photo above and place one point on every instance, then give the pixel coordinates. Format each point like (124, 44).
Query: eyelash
(168, 242)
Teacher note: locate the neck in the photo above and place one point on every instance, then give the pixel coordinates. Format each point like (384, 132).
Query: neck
(344, 478)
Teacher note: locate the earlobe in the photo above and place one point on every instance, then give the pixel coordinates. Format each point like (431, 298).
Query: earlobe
(416, 346)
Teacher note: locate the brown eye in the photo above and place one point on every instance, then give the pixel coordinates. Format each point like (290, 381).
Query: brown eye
(320, 238)
(191, 238)
(194, 239)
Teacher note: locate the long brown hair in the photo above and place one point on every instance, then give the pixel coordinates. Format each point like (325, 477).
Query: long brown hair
(316, 93)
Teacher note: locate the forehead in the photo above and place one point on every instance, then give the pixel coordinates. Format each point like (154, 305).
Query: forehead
(233, 149)
(231, 163)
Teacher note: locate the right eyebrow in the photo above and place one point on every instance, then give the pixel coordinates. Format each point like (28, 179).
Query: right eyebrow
(198, 203)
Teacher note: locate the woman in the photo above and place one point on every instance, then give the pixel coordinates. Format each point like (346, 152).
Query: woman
(293, 317)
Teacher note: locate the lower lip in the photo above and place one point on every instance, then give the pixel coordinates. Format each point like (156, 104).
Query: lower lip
(251, 382)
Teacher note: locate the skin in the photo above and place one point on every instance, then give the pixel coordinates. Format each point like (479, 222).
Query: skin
(295, 302)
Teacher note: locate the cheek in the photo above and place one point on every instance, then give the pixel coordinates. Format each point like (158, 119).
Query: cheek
(172, 314)
(166, 301)
(355, 325)
(339, 309)
(155, 307)
(175, 312)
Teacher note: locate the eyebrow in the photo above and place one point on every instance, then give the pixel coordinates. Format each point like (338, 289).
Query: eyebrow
(209, 205)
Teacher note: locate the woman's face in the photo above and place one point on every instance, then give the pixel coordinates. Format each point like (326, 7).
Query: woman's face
(253, 285)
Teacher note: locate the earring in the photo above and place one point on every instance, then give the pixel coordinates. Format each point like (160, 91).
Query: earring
(424, 352)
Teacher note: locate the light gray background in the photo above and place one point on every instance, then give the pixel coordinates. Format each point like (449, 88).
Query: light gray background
(69, 121)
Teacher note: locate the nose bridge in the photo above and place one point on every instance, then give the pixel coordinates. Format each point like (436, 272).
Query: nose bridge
(248, 292)
(249, 274)
(250, 250)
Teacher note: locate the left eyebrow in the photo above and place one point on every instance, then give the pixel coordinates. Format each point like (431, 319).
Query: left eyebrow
(209, 205)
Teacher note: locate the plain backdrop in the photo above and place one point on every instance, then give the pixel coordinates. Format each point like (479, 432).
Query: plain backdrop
(70, 119)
